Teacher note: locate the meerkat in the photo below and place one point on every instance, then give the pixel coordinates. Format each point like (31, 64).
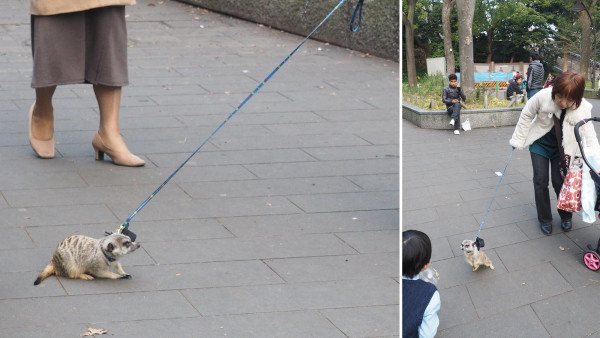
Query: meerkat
(474, 256)
(84, 257)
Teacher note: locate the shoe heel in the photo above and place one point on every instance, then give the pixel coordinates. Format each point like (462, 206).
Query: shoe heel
(99, 155)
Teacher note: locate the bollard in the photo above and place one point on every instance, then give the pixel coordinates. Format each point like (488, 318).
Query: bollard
(485, 100)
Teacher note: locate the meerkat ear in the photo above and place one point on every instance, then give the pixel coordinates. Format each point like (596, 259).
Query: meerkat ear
(110, 247)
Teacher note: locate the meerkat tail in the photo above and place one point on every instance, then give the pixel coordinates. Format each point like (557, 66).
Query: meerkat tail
(48, 271)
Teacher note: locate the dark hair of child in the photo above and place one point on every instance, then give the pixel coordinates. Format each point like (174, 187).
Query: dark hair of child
(452, 77)
(416, 252)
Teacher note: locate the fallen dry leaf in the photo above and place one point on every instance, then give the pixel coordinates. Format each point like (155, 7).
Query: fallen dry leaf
(92, 332)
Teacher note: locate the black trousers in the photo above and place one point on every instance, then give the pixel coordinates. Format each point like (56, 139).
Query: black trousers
(454, 111)
(541, 175)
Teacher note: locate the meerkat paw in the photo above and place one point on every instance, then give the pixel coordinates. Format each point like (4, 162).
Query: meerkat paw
(125, 276)
(85, 277)
(475, 268)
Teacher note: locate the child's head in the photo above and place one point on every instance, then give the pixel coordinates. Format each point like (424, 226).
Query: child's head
(519, 79)
(416, 252)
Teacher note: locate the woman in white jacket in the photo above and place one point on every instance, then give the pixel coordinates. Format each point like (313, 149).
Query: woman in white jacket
(536, 130)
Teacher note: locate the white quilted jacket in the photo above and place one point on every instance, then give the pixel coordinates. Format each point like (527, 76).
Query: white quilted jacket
(536, 120)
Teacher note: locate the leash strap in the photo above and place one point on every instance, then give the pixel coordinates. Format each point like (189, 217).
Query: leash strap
(358, 10)
(492, 201)
(125, 224)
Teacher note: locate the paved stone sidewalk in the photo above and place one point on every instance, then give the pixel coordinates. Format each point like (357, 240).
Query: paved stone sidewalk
(284, 225)
(540, 286)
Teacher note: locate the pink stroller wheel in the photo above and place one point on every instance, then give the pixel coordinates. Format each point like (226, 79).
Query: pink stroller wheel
(591, 260)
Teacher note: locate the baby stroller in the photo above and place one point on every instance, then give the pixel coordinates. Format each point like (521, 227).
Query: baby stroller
(591, 258)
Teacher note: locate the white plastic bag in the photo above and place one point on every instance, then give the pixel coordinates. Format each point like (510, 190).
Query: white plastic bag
(588, 187)
(466, 125)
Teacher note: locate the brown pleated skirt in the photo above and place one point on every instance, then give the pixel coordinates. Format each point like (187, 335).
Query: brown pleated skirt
(81, 47)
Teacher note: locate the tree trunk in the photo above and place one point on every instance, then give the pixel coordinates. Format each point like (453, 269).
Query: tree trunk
(565, 66)
(408, 21)
(447, 29)
(466, 12)
(586, 44)
(490, 44)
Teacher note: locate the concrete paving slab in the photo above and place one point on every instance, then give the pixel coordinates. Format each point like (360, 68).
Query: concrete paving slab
(332, 268)
(516, 289)
(442, 227)
(365, 322)
(248, 325)
(293, 297)
(533, 252)
(372, 241)
(56, 215)
(15, 238)
(171, 210)
(88, 195)
(376, 182)
(89, 308)
(457, 307)
(20, 260)
(346, 201)
(580, 301)
(422, 196)
(297, 224)
(575, 272)
(352, 153)
(272, 187)
(521, 322)
(16, 285)
(217, 250)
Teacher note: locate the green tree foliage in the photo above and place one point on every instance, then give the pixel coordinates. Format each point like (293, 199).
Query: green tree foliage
(515, 26)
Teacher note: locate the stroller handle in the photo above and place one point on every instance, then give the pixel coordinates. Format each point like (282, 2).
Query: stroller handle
(593, 173)
(580, 123)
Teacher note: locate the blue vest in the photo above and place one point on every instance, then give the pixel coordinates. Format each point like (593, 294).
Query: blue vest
(416, 295)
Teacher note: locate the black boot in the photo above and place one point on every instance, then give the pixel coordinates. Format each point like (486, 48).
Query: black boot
(566, 225)
(546, 228)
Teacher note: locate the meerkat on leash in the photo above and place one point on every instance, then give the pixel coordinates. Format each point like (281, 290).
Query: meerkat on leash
(474, 256)
(88, 258)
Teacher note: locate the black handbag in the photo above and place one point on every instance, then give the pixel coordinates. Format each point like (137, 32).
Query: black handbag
(565, 160)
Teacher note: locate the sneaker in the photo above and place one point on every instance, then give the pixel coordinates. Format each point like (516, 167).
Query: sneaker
(456, 132)
(452, 122)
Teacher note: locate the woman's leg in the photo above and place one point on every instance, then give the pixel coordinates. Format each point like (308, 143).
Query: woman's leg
(108, 138)
(41, 123)
(541, 177)
(42, 119)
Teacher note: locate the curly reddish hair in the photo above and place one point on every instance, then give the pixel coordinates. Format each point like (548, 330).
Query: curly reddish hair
(569, 85)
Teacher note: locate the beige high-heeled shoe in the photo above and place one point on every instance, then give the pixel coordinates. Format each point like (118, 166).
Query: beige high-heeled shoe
(118, 157)
(42, 148)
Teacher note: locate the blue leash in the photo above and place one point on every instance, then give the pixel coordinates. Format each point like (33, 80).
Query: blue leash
(479, 241)
(124, 227)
